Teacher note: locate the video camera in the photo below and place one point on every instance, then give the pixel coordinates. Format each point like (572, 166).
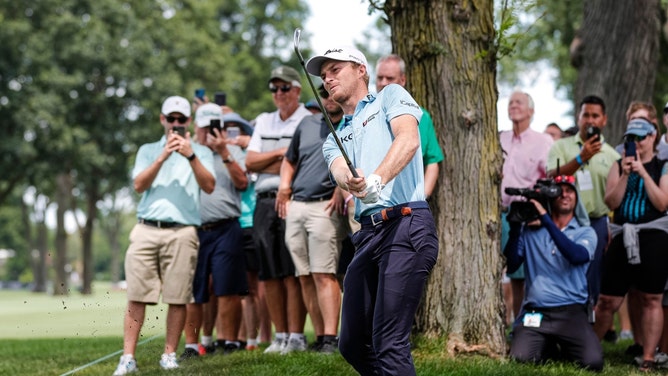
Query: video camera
(524, 211)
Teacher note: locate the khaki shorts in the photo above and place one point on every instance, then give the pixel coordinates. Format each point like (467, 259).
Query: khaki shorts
(161, 260)
(313, 238)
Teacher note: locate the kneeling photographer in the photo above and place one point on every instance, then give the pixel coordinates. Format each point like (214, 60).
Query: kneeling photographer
(556, 245)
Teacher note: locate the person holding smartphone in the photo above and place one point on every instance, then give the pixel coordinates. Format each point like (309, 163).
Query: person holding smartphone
(169, 174)
(637, 191)
(588, 157)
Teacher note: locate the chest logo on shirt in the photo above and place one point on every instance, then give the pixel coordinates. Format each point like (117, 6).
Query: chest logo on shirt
(373, 116)
(410, 104)
(348, 137)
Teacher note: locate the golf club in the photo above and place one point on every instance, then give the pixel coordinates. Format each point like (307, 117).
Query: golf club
(332, 130)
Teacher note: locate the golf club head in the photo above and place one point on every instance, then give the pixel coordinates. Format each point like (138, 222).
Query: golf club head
(298, 33)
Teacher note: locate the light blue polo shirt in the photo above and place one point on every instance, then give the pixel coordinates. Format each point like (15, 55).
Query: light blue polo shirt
(174, 194)
(367, 139)
(551, 280)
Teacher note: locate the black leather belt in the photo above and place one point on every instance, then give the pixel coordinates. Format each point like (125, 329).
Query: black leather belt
(563, 308)
(312, 199)
(215, 225)
(269, 194)
(159, 224)
(393, 212)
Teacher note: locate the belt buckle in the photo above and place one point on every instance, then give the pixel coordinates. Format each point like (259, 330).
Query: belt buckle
(380, 218)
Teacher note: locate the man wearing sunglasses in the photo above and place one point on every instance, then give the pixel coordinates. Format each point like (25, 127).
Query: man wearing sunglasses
(272, 135)
(588, 157)
(556, 254)
(169, 174)
(312, 207)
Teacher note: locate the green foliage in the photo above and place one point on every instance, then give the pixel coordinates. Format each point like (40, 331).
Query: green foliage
(86, 79)
(533, 31)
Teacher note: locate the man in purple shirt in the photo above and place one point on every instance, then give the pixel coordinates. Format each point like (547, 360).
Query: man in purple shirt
(525, 161)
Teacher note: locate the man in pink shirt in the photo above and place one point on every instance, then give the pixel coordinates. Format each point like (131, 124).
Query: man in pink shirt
(525, 161)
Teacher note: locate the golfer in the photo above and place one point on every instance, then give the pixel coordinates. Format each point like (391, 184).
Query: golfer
(397, 244)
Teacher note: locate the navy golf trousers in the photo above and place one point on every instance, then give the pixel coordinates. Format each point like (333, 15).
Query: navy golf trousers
(382, 290)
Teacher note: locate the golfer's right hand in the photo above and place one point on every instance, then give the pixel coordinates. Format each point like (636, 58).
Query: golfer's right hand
(373, 189)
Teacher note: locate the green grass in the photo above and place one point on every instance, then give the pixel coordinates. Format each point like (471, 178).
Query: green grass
(44, 335)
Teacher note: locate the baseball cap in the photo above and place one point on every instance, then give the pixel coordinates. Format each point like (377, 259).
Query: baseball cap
(665, 108)
(343, 53)
(312, 104)
(207, 112)
(233, 117)
(565, 179)
(639, 127)
(176, 104)
(286, 74)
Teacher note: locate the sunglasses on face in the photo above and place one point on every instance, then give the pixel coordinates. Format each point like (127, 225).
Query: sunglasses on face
(635, 138)
(180, 119)
(284, 88)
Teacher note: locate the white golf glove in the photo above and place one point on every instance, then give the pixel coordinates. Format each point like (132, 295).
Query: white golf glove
(373, 188)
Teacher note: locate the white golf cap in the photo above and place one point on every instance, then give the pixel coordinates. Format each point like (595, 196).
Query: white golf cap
(207, 112)
(176, 104)
(342, 53)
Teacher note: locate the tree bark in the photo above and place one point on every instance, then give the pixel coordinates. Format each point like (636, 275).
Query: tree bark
(618, 51)
(451, 70)
(87, 239)
(63, 195)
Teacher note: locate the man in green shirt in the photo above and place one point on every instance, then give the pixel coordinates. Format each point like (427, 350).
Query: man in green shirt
(588, 157)
(391, 69)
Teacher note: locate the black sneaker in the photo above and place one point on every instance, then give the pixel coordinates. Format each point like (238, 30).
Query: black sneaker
(230, 348)
(329, 347)
(634, 350)
(610, 336)
(188, 354)
(314, 346)
(210, 348)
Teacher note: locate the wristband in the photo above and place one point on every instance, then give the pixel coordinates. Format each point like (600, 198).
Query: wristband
(191, 157)
(579, 159)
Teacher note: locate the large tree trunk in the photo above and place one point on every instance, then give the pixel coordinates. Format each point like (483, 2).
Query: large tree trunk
(451, 69)
(616, 54)
(63, 195)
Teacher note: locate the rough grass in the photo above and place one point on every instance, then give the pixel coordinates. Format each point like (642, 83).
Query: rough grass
(45, 335)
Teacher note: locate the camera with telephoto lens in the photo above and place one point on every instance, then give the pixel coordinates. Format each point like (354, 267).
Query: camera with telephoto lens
(524, 211)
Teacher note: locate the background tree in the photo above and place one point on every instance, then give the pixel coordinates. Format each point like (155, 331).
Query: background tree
(615, 50)
(616, 53)
(86, 80)
(450, 55)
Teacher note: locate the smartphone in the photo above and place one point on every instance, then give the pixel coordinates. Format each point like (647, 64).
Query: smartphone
(593, 131)
(220, 98)
(181, 131)
(199, 93)
(233, 132)
(214, 123)
(630, 149)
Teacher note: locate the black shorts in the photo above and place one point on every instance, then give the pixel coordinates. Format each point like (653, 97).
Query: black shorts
(269, 229)
(649, 276)
(252, 263)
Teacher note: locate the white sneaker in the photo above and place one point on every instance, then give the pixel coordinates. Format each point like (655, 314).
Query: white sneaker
(126, 365)
(277, 346)
(294, 344)
(661, 360)
(168, 361)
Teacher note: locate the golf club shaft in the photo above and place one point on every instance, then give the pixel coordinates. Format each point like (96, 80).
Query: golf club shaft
(332, 130)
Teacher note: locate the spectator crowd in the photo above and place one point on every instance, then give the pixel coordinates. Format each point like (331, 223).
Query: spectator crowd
(246, 227)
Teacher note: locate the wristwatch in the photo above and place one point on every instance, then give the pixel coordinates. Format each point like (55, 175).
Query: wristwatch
(191, 157)
(229, 159)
